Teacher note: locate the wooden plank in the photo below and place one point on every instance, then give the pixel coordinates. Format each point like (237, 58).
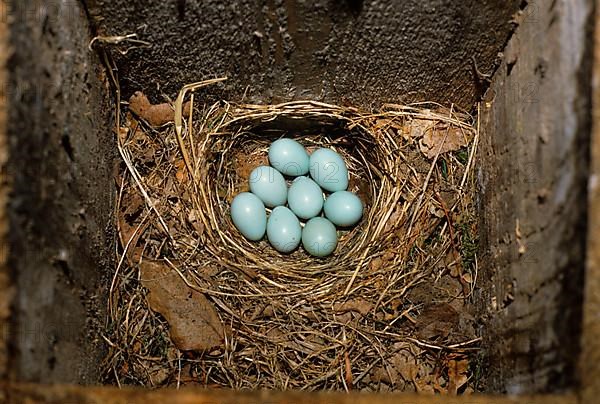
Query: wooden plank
(6, 287)
(61, 146)
(30, 394)
(590, 356)
(533, 171)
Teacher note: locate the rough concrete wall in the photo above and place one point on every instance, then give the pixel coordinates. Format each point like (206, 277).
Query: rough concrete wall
(363, 52)
(532, 174)
(61, 148)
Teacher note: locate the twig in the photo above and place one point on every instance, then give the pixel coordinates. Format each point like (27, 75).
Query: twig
(179, 116)
(117, 40)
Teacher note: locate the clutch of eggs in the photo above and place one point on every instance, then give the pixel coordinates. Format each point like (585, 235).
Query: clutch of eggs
(317, 194)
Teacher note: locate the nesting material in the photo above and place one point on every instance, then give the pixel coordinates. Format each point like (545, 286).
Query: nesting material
(387, 311)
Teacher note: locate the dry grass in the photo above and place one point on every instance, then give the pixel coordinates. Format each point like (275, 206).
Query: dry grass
(355, 320)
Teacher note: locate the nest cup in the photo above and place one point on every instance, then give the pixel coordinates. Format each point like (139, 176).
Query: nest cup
(373, 166)
(290, 319)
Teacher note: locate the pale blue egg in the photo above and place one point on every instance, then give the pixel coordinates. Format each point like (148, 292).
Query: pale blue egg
(319, 237)
(329, 170)
(249, 215)
(305, 198)
(343, 208)
(283, 230)
(269, 185)
(289, 157)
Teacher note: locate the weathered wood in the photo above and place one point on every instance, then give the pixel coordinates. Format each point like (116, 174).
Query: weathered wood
(590, 355)
(61, 148)
(7, 289)
(30, 394)
(533, 168)
(533, 163)
(356, 51)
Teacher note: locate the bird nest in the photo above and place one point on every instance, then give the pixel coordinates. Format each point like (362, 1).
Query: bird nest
(273, 320)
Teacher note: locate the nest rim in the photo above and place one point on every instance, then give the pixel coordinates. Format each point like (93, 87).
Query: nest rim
(375, 154)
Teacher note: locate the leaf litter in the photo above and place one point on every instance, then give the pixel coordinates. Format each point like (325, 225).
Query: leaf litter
(179, 318)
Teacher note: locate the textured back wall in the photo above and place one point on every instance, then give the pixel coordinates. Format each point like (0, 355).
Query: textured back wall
(361, 52)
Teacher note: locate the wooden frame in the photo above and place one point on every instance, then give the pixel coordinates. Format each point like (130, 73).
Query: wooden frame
(589, 390)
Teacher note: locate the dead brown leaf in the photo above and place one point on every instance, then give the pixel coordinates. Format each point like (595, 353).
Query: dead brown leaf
(419, 127)
(376, 264)
(155, 115)
(389, 256)
(193, 320)
(442, 140)
(181, 173)
(386, 374)
(348, 371)
(405, 364)
(358, 305)
(382, 124)
(123, 133)
(130, 236)
(395, 219)
(196, 222)
(425, 385)
(126, 231)
(293, 342)
(159, 375)
(439, 213)
(131, 204)
(436, 320)
(457, 374)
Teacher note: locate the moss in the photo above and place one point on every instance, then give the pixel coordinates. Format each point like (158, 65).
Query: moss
(444, 168)
(478, 372)
(469, 242)
(463, 155)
